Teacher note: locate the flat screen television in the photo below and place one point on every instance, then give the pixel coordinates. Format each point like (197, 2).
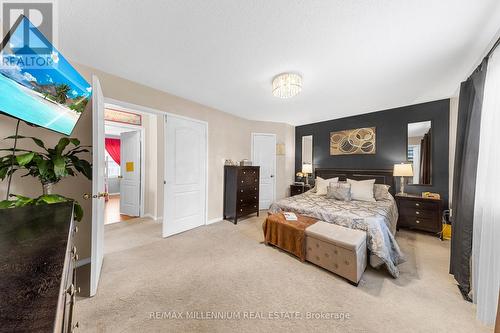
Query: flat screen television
(37, 84)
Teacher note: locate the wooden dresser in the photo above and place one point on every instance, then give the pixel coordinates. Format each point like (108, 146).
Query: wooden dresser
(241, 191)
(419, 213)
(37, 258)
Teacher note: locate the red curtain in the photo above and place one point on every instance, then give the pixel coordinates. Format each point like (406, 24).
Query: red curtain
(113, 149)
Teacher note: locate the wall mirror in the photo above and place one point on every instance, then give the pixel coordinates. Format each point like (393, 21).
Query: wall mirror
(419, 152)
(307, 149)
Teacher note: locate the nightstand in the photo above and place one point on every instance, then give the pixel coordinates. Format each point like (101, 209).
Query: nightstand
(299, 189)
(418, 213)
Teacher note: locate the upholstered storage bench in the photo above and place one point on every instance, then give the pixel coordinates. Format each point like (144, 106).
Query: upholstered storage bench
(338, 249)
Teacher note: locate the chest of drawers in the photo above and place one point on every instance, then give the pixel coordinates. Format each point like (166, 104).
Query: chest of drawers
(298, 189)
(37, 259)
(241, 191)
(419, 213)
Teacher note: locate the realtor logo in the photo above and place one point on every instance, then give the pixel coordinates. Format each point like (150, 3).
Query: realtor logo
(41, 14)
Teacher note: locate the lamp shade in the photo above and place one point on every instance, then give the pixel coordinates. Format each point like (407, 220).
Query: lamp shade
(403, 170)
(307, 168)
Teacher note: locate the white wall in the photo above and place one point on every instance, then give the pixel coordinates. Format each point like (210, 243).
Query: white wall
(151, 155)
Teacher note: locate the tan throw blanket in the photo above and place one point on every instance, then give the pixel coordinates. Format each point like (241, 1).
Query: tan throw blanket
(287, 235)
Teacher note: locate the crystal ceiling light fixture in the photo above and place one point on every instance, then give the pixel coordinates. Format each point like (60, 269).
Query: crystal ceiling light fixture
(287, 85)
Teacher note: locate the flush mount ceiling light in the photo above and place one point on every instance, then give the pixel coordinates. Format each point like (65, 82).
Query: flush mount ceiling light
(287, 85)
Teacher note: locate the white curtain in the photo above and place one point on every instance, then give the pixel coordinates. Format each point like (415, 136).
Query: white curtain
(486, 234)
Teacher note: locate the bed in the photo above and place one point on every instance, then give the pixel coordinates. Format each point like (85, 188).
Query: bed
(378, 218)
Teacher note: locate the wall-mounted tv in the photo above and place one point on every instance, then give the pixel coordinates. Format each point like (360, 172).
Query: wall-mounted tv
(37, 84)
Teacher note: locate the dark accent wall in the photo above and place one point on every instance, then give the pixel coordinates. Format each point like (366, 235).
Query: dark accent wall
(391, 144)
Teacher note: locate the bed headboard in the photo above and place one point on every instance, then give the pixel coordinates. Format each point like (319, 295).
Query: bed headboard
(381, 176)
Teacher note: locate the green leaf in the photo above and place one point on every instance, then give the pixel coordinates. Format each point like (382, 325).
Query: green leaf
(43, 167)
(63, 142)
(37, 141)
(6, 204)
(59, 166)
(3, 172)
(74, 152)
(82, 166)
(78, 211)
(52, 198)
(24, 159)
(74, 141)
(19, 197)
(17, 149)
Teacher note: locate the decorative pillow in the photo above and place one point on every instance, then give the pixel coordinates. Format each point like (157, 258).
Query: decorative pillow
(362, 190)
(339, 191)
(322, 185)
(381, 191)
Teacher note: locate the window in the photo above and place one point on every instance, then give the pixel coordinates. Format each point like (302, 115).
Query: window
(113, 169)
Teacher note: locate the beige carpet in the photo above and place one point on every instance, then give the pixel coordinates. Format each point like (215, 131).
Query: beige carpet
(224, 270)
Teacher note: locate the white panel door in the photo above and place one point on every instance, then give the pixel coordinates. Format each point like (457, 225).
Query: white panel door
(130, 183)
(185, 175)
(264, 155)
(98, 190)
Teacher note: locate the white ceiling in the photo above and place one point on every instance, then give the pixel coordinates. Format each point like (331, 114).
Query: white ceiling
(355, 56)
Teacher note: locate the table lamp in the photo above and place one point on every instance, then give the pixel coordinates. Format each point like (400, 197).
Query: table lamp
(403, 170)
(307, 169)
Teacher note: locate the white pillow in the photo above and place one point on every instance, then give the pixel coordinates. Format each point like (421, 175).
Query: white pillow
(362, 190)
(381, 192)
(322, 185)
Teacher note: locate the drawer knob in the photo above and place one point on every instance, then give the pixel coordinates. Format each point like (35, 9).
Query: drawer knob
(417, 212)
(417, 221)
(241, 191)
(241, 209)
(417, 204)
(242, 182)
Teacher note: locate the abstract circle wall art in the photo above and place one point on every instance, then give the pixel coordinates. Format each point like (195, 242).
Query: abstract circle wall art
(353, 141)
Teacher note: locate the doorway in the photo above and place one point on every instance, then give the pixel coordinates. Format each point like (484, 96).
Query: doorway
(187, 176)
(124, 171)
(264, 156)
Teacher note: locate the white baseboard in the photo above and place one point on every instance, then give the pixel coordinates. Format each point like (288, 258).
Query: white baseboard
(82, 262)
(217, 219)
(154, 218)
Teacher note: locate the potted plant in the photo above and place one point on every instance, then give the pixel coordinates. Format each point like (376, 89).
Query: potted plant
(50, 165)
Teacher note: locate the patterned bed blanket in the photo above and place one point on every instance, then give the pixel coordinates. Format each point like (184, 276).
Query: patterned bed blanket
(378, 219)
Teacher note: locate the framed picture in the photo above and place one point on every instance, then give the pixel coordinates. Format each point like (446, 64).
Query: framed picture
(353, 141)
